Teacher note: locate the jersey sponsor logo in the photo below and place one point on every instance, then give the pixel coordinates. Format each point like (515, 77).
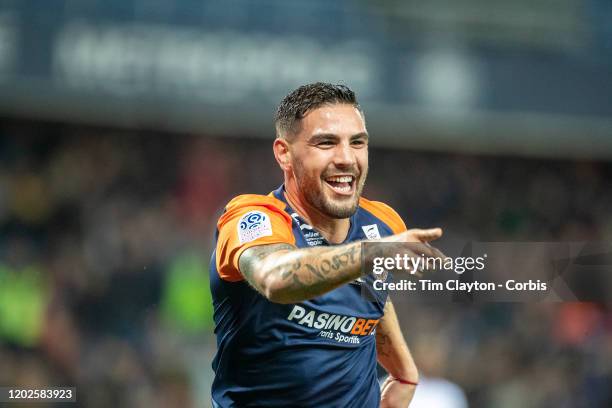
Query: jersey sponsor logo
(253, 225)
(341, 328)
(371, 231)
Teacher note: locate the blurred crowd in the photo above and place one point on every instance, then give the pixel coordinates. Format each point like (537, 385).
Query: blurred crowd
(105, 239)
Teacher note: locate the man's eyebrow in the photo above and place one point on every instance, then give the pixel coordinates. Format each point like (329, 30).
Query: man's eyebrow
(319, 137)
(362, 135)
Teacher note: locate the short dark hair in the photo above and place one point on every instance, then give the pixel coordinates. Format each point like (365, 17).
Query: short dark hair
(294, 106)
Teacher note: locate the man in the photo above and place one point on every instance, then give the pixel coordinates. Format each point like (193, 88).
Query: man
(292, 327)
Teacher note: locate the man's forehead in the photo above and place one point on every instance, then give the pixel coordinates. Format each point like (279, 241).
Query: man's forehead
(333, 119)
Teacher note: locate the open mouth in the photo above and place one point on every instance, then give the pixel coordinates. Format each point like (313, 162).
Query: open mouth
(343, 185)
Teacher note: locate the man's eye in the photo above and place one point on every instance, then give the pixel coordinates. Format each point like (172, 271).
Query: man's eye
(326, 143)
(358, 142)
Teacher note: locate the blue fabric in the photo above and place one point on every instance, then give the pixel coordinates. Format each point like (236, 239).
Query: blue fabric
(298, 355)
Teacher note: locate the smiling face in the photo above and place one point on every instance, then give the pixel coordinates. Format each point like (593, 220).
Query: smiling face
(326, 162)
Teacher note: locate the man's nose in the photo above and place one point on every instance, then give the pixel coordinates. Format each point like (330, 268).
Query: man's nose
(344, 157)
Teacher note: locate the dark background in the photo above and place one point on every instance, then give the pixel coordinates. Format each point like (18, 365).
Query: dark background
(125, 127)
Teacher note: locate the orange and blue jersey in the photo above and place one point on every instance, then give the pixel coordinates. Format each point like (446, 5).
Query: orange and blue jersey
(316, 353)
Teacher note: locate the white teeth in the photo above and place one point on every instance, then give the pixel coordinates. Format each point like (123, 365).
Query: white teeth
(342, 179)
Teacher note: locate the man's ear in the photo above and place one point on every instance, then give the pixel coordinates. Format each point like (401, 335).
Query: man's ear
(282, 153)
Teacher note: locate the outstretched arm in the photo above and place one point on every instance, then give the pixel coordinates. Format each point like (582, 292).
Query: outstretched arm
(285, 274)
(393, 354)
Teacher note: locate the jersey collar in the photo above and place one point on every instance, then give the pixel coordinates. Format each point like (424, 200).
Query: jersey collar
(279, 193)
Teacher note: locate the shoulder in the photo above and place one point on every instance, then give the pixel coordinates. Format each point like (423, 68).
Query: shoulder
(249, 220)
(246, 203)
(248, 200)
(384, 213)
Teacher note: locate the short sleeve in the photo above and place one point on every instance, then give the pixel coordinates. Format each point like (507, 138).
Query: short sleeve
(249, 221)
(384, 213)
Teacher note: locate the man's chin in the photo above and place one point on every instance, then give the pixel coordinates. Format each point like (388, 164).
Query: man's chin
(341, 210)
(333, 207)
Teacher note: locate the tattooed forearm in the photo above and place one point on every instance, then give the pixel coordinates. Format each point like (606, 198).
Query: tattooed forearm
(391, 348)
(252, 257)
(287, 275)
(384, 344)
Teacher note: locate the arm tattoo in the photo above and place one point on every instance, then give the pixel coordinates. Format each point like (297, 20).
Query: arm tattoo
(383, 340)
(383, 344)
(319, 270)
(305, 273)
(252, 256)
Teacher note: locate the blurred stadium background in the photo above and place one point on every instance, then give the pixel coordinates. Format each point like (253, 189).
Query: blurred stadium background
(125, 126)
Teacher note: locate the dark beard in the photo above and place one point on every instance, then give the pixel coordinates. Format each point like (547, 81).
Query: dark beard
(327, 207)
(316, 198)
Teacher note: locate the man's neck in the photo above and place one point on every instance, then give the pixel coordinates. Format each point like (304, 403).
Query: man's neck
(333, 230)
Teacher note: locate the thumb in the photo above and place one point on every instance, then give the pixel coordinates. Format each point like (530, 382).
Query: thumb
(425, 235)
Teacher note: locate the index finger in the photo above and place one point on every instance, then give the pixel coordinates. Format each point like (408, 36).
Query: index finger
(425, 235)
(423, 248)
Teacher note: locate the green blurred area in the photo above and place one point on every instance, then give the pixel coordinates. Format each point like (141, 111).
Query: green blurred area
(23, 298)
(186, 301)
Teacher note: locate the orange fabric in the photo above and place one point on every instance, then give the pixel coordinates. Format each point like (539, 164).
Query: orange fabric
(384, 213)
(229, 248)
